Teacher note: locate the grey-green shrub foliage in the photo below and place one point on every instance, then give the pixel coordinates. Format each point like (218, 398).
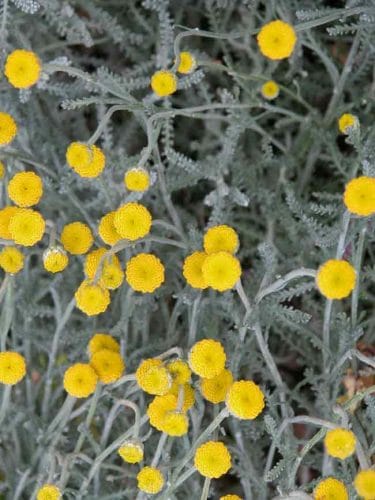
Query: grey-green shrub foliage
(273, 170)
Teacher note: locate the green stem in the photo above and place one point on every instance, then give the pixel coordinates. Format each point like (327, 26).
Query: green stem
(206, 488)
(5, 402)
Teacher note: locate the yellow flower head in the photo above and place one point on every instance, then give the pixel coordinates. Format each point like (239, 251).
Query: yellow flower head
(216, 389)
(187, 63)
(207, 358)
(2, 170)
(270, 90)
(340, 443)
(137, 179)
(80, 380)
(175, 423)
(364, 484)
(107, 230)
(158, 409)
(102, 341)
(276, 40)
(336, 279)
(132, 221)
(188, 395)
(8, 129)
(150, 480)
(164, 83)
(144, 273)
(11, 260)
(245, 400)
(212, 459)
(221, 271)
(48, 492)
(55, 259)
(12, 367)
(152, 377)
(25, 189)
(359, 196)
(111, 275)
(109, 365)
(131, 451)
(77, 238)
(27, 227)
(230, 497)
(86, 161)
(92, 298)
(192, 270)
(22, 68)
(6, 214)
(331, 488)
(221, 238)
(346, 122)
(179, 371)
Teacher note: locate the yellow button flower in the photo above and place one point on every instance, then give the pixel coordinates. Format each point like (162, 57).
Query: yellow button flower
(188, 396)
(48, 492)
(336, 279)
(91, 298)
(331, 488)
(221, 271)
(192, 270)
(179, 371)
(108, 364)
(86, 161)
(276, 40)
(6, 214)
(340, 443)
(144, 273)
(12, 367)
(111, 275)
(175, 423)
(216, 389)
(22, 68)
(158, 409)
(77, 238)
(359, 196)
(164, 83)
(137, 179)
(55, 259)
(102, 341)
(346, 122)
(25, 189)
(8, 129)
(131, 451)
(207, 358)
(153, 377)
(11, 260)
(107, 230)
(212, 459)
(221, 238)
(27, 227)
(270, 90)
(80, 380)
(245, 400)
(132, 221)
(230, 497)
(150, 480)
(187, 63)
(364, 484)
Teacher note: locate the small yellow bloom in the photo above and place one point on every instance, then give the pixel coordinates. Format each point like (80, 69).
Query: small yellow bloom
(188, 395)
(230, 497)
(6, 215)
(164, 83)
(55, 259)
(107, 230)
(11, 260)
(77, 238)
(245, 400)
(158, 409)
(340, 443)
(86, 161)
(336, 279)
(111, 275)
(346, 122)
(364, 484)
(102, 341)
(12, 367)
(221, 271)
(25, 189)
(150, 480)
(359, 196)
(8, 129)
(207, 358)
(216, 389)
(212, 459)
(137, 179)
(27, 227)
(187, 63)
(221, 238)
(153, 377)
(330, 488)
(108, 365)
(276, 40)
(22, 68)
(80, 380)
(270, 90)
(175, 423)
(48, 492)
(131, 451)
(132, 221)
(91, 298)
(179, 371)
(192, 270)
(144, 273)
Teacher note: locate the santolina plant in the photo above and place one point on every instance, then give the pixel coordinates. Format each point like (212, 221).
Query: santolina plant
(187, 223)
